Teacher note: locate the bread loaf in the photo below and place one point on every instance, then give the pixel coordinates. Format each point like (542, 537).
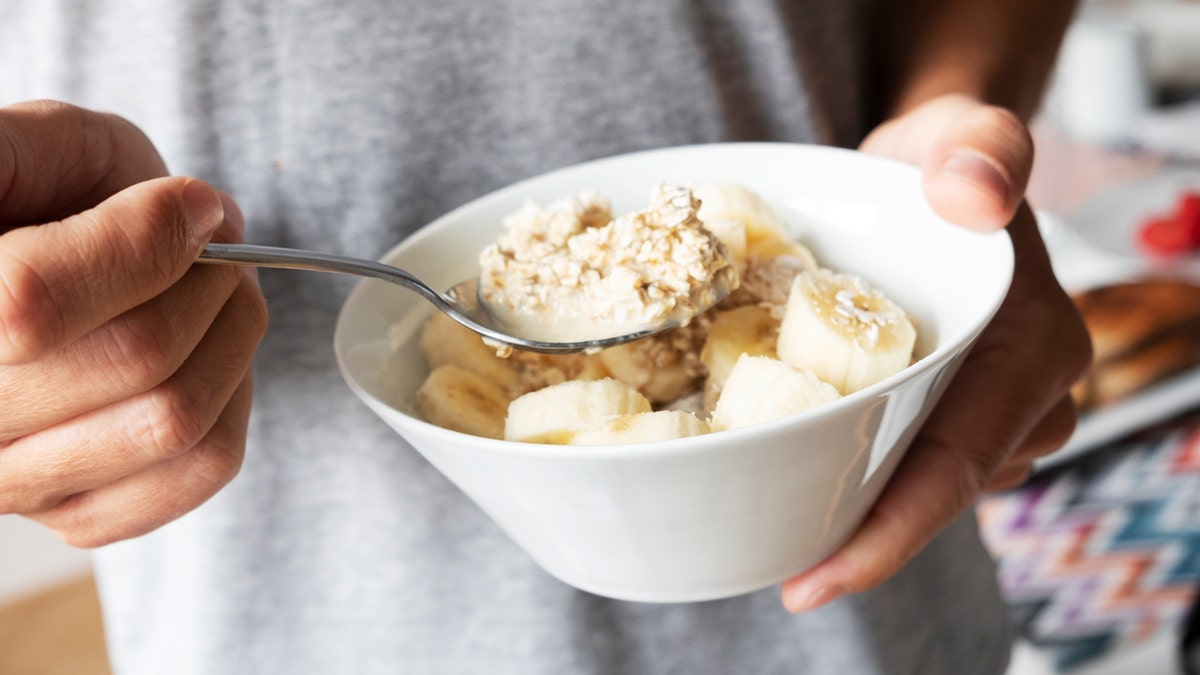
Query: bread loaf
(1142, 333)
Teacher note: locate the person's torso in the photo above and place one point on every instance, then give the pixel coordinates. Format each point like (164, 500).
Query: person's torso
(343, 126)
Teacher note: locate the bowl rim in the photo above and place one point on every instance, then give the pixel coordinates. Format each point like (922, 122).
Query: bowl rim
(941, 354)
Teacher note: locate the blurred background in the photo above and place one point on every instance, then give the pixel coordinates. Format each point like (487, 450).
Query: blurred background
(1099, 554)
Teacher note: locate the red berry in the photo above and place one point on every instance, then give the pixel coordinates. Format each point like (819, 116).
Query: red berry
(1164, 237)
(1187, 212)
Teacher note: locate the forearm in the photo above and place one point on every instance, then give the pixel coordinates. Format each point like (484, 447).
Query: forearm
(998, 51)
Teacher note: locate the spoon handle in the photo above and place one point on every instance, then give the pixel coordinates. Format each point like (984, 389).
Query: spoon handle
(460, 303)
(295, 259)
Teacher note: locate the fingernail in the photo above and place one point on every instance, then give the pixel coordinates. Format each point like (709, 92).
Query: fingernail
(798, 602)
(233, 213)
(972, 167)
(202, 208)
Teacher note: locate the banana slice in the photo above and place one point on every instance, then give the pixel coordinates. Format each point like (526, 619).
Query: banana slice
(555, 414)
(647, 427)
(746, 330)
(732, 233)
(461, 400)
(783, 252)
(731, 201)
(849, 334)
(591, 367)
(760, 389)
(446, 342)
(654, 367)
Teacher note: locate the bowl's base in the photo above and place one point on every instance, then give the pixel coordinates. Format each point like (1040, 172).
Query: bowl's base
(659, 596)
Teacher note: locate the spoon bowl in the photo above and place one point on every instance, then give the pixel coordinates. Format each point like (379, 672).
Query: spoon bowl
(460, 302)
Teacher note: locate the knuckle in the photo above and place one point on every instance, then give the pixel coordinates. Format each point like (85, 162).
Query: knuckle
(69, 536)
(26, 499)
(1064, 425)
(1060, 324)
(13, 500)
(48, 109)
(92, 149)
(43, 106)
(1023, 474)
(878, 569)
(1073, 353)
(86, 538)
(78, 523)
(140, 353)
(139, 158)
(876, 566)
(224, 282)
(1004, 118)
(1010, 479)
(137, 241)
(966, 485)
(27, 324)
(1007, 125)
(1080, 349)
(257, 317)
(144, 251)
(170, 425)
(95, 152)
(213, 466)
(169, 245)
(1004, 138)
(968, 471)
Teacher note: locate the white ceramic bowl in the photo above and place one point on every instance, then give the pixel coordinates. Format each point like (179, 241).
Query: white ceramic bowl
(725, 513)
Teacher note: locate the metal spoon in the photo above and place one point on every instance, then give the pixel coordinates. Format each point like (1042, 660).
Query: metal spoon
(460, 302)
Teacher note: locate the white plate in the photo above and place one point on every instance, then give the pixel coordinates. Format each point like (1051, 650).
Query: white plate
(1096, 245)
(1150, 406)
(1109, 223)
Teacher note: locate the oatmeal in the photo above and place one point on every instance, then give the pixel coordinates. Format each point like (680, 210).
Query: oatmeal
(790, 337)
(571, 263)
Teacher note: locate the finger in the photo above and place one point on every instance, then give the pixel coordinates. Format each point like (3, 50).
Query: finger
(145, 501)
(58, 159)
(1038, 315)
(938, 478)
(1050, 434)
(105, 445)
(1011, 476)
(61, 280)
(978, 168)
(131, 354)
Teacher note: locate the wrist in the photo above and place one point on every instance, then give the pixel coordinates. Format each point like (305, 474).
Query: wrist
(997, 52)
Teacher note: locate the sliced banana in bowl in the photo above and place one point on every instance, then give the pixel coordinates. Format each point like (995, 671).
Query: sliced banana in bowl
(812, 383)
(844, 331)
(819, 335)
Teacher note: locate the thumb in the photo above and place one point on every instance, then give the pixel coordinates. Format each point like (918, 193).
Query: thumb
(61, 280)
(976, 172)
(975, 158)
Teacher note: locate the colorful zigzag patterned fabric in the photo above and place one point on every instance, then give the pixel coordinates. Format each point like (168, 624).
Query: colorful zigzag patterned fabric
(1105, 550)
